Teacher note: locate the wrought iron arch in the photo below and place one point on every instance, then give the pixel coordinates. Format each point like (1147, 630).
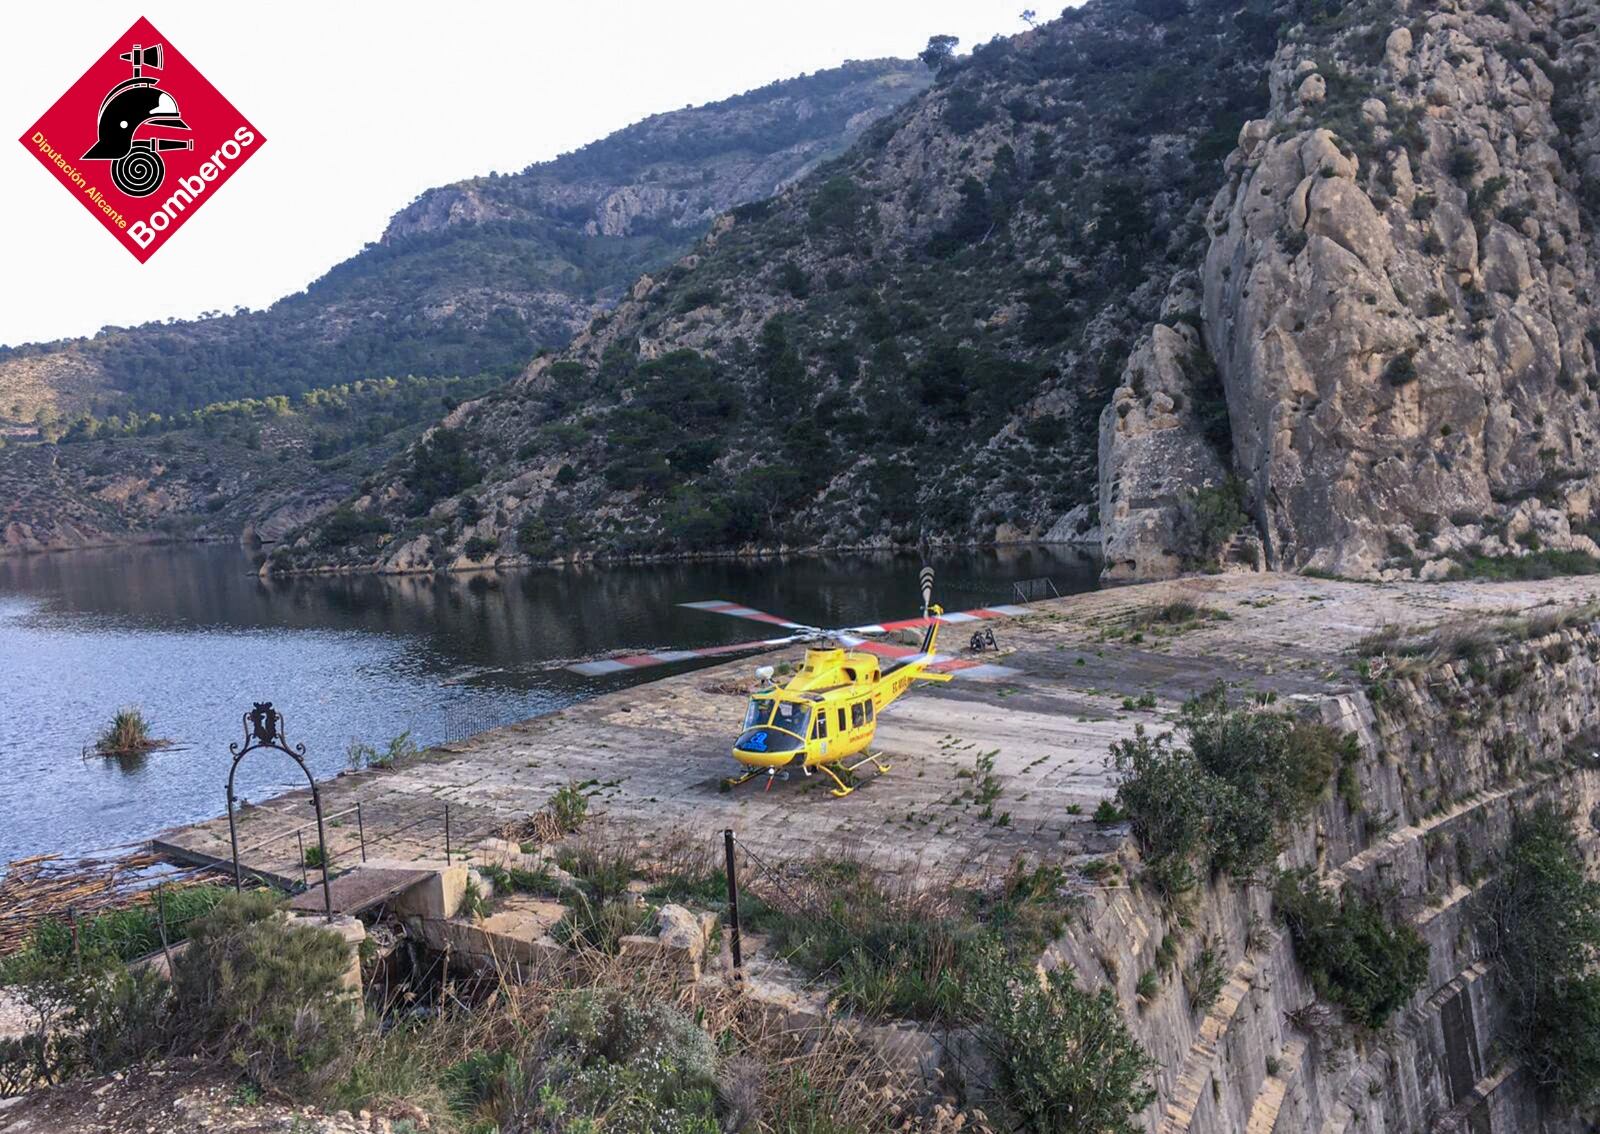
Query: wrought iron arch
(263, 728)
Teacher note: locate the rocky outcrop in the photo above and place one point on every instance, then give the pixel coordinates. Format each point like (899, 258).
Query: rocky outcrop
(1153, 455)
(1398, 293)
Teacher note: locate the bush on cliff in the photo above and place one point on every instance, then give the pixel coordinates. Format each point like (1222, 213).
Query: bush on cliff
(1220, 792)
(1542, 920)
(1355, 954)
(1064, 1059)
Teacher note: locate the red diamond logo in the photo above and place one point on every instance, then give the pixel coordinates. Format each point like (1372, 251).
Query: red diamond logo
(142, 140)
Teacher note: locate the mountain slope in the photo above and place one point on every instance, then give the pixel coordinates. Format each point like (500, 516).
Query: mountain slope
(475, 277)
(913, 342)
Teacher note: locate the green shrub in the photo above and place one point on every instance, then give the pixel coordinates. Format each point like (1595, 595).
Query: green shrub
(1107, 812)
(1221, 790)
(1208, 519)
(480, 547)
(266, 995)
(1203, 980)
(601, 923)
(568, 807)
(634, 1067)
(359, 755)
(1356, 956)
(486, 1088)
(1064, 1059)
(1541, 914)
(1463, 164)
(440, 466)
(907, 952)
(1544, 564)
(345, 527)
(1401, 369)
(1166, 798)
(92, 1016)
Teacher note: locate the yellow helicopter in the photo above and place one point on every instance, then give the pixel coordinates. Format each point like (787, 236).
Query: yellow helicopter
(828, 711)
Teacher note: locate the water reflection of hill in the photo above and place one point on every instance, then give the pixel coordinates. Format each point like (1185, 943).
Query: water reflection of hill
(513, 620)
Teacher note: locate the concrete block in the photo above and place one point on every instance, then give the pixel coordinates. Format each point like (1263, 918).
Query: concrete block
(437, 897)
(351, 931)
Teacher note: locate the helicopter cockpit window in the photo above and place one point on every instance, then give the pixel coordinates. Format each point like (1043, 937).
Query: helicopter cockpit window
(792, 718)
(758, 713)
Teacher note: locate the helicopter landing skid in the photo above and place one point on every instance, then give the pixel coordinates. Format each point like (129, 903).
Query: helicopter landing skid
(772, 774)
(845, 789)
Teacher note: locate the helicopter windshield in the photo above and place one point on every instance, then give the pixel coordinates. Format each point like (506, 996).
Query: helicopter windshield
(759, 712)
(792, 718)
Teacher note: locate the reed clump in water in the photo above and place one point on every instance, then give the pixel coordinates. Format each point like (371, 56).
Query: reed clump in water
(128, 735)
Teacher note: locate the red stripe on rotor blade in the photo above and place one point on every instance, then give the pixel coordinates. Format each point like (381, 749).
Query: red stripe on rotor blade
(886, 651)
(904, 624)
(711, 651)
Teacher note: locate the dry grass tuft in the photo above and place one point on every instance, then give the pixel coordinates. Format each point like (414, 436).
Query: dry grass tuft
(128, 735)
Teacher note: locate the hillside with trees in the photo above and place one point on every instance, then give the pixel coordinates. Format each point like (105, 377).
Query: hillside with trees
(478, 276)
(913, 342)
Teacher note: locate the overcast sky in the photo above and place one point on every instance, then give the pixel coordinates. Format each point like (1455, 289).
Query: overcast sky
(366, 105)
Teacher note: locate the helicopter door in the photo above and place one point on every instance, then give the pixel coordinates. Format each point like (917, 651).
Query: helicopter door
(819, 731)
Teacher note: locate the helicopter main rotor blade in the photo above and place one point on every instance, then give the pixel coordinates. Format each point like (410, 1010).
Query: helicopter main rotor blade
(602, 666)
(952, 618)
(937, 663)
(739, 610)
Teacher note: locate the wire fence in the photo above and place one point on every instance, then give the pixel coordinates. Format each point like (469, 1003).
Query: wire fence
(134, 896)
(1034, 590)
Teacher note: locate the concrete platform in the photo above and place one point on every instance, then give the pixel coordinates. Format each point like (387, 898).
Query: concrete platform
(655, 767)
(359, 890)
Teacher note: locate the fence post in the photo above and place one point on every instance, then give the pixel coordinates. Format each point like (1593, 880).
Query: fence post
(77, 956)
(301, 839)
(161, 923)
(447, 834)
(361, 831)
(733, 907)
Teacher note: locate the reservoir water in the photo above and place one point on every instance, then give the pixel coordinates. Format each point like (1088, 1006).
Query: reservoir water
(192, 637)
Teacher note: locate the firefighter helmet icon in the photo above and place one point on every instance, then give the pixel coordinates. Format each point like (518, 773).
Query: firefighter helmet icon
(136, 165)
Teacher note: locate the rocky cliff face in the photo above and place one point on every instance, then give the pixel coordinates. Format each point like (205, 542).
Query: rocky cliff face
(1398, 294)
(1451, 753)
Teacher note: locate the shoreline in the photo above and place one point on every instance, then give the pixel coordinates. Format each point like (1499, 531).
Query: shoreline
(810, 551)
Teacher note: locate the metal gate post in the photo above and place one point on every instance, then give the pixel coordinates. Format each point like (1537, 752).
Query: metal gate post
(733, 907)
(263, 728)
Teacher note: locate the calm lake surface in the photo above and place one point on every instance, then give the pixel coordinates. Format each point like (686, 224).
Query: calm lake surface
(192, 636)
